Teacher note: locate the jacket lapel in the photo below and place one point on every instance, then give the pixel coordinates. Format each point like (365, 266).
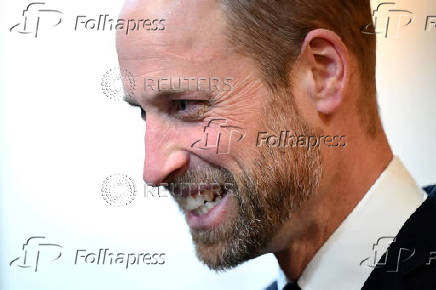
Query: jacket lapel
(411, 259)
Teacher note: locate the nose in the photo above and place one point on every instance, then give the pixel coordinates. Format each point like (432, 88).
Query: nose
(163, 156)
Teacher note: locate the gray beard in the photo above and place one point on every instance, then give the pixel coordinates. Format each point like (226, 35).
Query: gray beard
(265, 198)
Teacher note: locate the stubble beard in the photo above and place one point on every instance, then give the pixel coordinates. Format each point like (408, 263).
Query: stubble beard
(265, 195)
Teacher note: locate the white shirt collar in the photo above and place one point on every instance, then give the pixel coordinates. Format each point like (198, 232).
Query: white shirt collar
(344, 261)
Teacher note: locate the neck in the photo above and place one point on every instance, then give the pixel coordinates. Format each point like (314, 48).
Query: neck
(314, 222)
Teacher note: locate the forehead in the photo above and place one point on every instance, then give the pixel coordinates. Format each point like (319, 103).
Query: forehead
(193, 43)
(194, 31)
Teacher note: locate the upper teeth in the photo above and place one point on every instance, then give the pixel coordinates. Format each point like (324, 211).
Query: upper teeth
(191, 202)
(201, 202)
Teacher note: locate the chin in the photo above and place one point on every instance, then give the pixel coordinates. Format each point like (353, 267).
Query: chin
(225, 255)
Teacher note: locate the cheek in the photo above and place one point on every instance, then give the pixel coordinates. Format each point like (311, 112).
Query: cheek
(233, 149)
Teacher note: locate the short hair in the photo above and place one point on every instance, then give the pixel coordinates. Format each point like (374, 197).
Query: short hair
(272, 32)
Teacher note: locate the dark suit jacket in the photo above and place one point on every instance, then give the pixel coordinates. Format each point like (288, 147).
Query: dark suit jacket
(410, 261)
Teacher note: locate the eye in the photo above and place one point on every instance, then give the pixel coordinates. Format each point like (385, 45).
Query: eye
(188, 110)
(181, 105)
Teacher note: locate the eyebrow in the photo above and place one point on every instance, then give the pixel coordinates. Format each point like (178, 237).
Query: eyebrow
(158, 96)
(167, 94)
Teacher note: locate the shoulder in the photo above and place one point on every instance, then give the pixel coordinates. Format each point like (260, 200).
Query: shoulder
(431, 190)
(428, 208)
(272, 286)
(410, 261)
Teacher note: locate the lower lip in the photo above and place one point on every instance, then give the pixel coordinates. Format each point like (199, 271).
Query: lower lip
(212, 218)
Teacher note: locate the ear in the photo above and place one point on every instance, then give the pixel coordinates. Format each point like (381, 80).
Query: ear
(325, 58)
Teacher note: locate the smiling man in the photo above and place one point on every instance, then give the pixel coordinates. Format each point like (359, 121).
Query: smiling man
(307, 172)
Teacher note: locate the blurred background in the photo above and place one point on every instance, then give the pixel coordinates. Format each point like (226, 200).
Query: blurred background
(61, 137)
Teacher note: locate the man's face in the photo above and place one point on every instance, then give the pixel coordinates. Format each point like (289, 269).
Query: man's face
(240, 194)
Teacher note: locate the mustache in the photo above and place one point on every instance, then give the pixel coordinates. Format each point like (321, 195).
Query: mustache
(201, 176)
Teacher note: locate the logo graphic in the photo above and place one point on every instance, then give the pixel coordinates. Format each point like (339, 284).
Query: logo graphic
(118, 84)
(378, 249)
(430, 22)
(32, 18)
(388, 21)
(34, 250)
(118, 190)
(223, 130)
(382, 247)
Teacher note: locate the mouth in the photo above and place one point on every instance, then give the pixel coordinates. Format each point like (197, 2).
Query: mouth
(206, 208)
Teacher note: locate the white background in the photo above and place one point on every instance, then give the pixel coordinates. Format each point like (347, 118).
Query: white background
(60, 137)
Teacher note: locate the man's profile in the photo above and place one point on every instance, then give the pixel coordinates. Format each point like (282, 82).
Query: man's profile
(300, 67)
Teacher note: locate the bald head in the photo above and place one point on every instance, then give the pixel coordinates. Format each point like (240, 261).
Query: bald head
(193, 44)
(193, 32)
